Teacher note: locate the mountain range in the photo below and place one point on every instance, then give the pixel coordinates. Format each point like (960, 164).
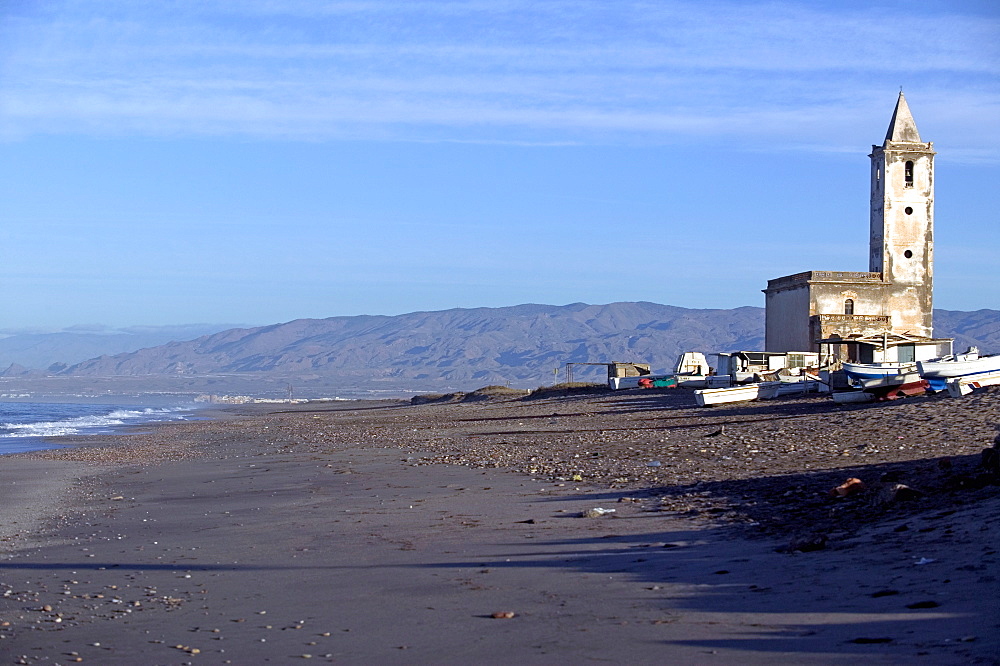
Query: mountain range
(466, 348)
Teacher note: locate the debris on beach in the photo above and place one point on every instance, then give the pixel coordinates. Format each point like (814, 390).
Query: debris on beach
(898, 492)
(503, 615)
(849, 487)
(596, 512)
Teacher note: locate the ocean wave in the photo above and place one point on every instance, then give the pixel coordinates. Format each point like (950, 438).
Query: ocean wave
(89, 423)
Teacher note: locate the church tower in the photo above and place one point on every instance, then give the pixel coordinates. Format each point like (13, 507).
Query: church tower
(902, 223)
(884, 314)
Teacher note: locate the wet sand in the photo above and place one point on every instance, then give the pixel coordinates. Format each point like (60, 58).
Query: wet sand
(393, 533)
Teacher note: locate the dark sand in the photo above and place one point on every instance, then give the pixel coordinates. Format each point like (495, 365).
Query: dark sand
(390, 533)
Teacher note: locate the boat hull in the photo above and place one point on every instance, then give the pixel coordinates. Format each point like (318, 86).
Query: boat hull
(858, 373)
(942, 369)
(644, 381)
(692, 381)
(719, 396)
(889, 381)
(959, 386)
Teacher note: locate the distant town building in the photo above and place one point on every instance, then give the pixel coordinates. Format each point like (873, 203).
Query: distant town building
(885, 314)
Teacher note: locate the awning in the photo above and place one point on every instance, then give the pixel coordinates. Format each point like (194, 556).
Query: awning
(885, 340)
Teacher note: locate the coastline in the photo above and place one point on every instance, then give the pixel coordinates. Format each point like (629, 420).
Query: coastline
(305, 513)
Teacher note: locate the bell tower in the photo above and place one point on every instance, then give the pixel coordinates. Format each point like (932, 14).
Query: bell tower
(902, 223)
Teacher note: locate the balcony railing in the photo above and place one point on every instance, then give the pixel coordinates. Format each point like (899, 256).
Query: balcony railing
(824, 276)
(846, 276)
(866, 319)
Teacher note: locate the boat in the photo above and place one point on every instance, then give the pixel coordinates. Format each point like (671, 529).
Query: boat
(939, 370)
(959, 386)
(804, 382)
(719, 396)
(645, 381)
(858, 373)
(668, 381)
(888, 387)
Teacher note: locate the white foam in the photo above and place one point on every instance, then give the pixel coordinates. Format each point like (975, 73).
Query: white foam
(78, 424)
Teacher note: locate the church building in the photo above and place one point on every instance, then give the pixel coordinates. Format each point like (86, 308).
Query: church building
(885, 314)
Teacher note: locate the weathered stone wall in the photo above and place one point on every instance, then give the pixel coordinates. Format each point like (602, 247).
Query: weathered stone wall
(786, 319)
(902, 231)
(809, 306)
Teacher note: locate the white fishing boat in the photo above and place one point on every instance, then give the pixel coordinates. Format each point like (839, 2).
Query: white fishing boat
(859, 373)
(804, 382)
(959, 386)
(742, 393)
(939, 370)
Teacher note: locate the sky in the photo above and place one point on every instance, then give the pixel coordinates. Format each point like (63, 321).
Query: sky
(186, 161)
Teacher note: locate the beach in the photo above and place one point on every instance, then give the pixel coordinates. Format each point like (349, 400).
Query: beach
(564, 526)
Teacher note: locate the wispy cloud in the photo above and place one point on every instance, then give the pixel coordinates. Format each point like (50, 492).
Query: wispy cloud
(771, 74)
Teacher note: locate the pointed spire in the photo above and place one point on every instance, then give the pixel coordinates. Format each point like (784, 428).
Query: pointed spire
(902, 127)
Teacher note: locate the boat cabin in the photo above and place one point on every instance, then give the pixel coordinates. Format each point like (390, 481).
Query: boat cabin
(691, 363)
(743, 366)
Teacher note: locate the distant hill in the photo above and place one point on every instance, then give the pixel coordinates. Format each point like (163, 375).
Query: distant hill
(980, 328)
(468, 348)
(455, 348)
(42, 349)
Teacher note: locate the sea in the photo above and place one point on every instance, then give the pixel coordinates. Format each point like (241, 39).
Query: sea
(24, 426)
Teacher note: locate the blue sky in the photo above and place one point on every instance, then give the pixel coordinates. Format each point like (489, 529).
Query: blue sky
(264, 160)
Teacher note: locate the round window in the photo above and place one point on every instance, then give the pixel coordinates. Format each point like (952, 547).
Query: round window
(908, 254)
(908, 210)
